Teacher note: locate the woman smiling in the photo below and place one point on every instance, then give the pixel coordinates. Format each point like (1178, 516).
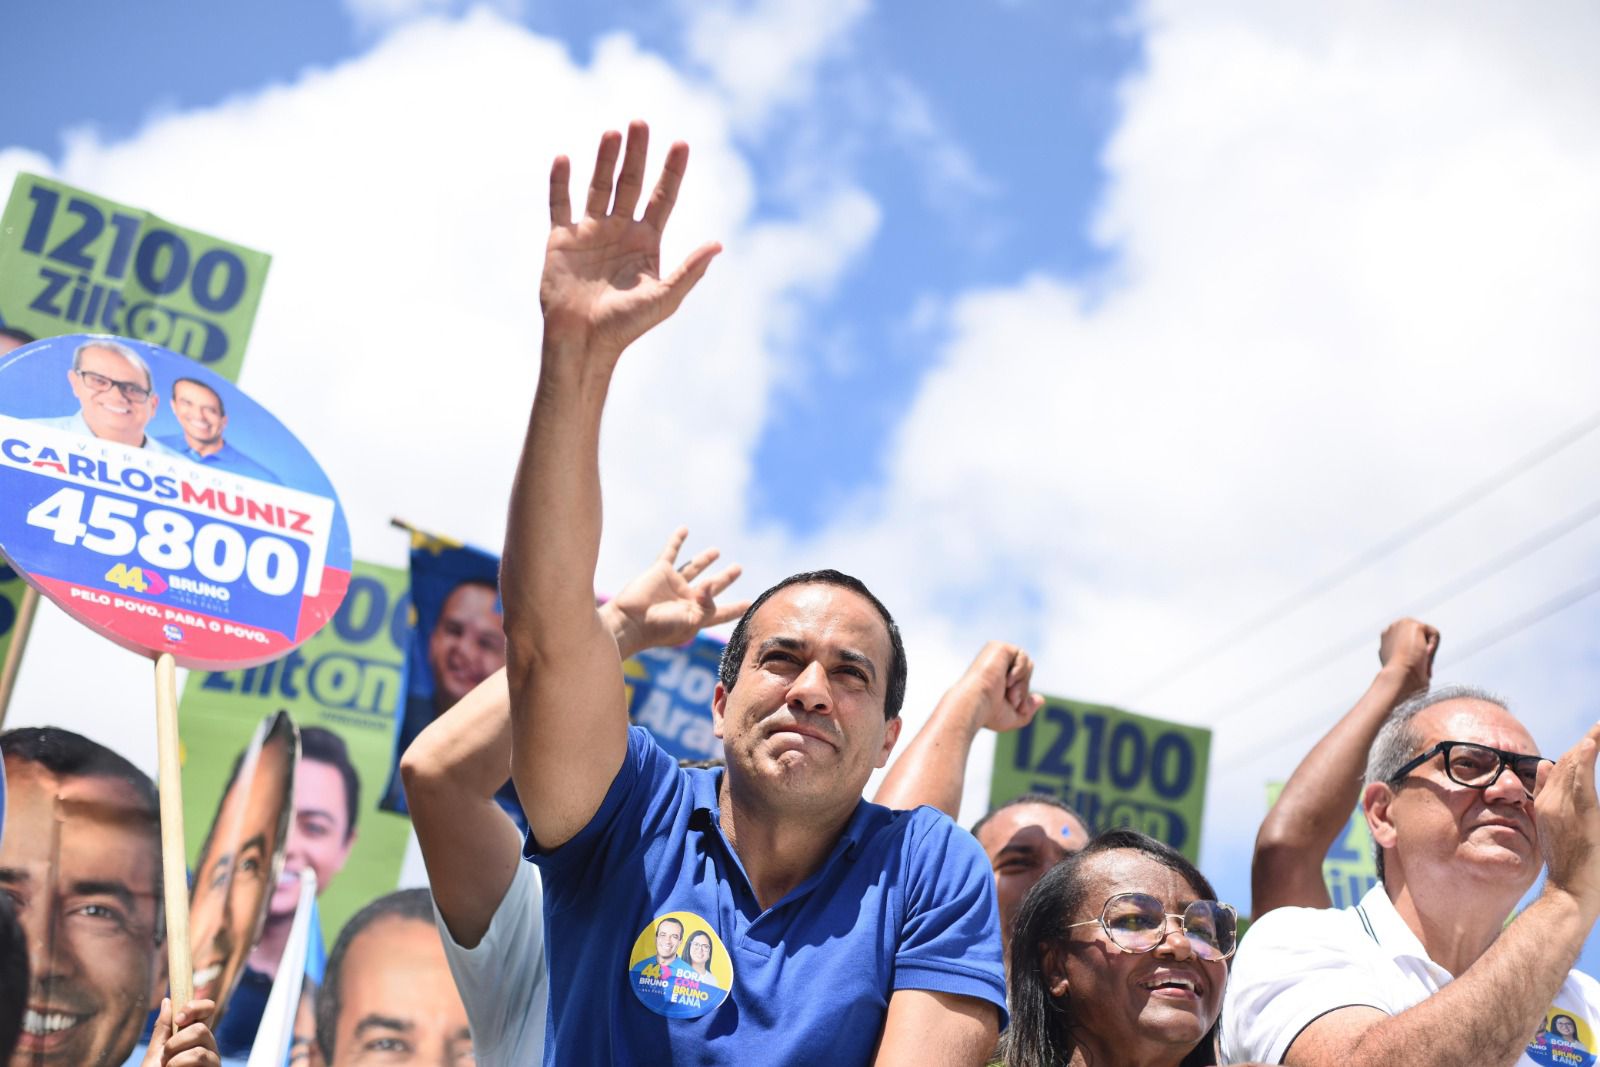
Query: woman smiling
(1118, 959)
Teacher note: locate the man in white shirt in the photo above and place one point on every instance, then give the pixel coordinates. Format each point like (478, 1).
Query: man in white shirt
(1425, 971)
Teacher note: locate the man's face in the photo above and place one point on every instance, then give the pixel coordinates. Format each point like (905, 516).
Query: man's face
(397, 1001)
(467, 644)
(199, 412)
(1023, 842)
(109, 413)
(231, 880)
(668, 937)
(319, 834)
(805, 715)
(1477, 832)
(95, 965)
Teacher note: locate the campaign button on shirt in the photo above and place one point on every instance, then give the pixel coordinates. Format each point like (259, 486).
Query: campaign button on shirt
(1563, 1040)
(679, 967)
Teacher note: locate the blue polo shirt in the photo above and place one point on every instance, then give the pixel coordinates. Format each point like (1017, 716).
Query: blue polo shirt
(904, 901)
(227, 458)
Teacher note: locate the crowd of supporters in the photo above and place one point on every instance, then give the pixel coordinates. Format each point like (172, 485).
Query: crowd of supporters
(759, 910)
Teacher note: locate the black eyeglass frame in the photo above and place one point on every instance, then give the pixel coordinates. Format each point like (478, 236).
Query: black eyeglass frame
(1508, 761)
(1183, 926)
(88, 376)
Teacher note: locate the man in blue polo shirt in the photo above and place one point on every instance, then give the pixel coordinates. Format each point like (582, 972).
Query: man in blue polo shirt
(818, 927)
(202, 416)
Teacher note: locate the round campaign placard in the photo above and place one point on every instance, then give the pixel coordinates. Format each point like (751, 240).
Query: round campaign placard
(679, 967)
(162, 507)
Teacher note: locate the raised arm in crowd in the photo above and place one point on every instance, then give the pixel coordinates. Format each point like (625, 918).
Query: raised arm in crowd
(723, 901)
(1319, 796)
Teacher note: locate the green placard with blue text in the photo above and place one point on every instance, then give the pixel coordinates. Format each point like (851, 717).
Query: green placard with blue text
(73, 262)
(1115, 768)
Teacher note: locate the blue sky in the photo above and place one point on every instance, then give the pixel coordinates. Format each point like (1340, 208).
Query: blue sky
(1098, 331)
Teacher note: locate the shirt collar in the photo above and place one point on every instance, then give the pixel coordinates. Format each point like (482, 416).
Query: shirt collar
(1388, 929)
(705, 788)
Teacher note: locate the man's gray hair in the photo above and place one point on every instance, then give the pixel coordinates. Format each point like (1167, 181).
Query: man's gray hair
(1397, 741)
(112, 345)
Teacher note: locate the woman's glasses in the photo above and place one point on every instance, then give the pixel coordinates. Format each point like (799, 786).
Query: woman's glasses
(1137, 922)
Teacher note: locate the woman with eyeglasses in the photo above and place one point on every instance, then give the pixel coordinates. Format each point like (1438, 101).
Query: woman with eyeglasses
(1118, 959)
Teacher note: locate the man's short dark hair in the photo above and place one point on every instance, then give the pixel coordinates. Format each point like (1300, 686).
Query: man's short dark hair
(19, 336)
(222, 408)
(674, 922)
(66, 754)
(413, 904)
(324, 746)
(1047, 799)
(894, 692)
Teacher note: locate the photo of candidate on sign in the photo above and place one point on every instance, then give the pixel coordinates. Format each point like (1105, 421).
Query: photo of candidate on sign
(159, 505)
(457, 641)
(238, 865)
(679, 967)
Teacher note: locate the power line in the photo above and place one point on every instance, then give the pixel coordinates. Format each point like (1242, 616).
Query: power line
(1334, 578)
(1529, 618)
(1453, 588)
(1510, 628)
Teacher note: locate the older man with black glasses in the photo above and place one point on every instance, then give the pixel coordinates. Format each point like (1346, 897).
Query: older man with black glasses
(1425, 970)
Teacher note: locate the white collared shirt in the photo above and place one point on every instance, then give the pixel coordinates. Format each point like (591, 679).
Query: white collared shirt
(1298, 964)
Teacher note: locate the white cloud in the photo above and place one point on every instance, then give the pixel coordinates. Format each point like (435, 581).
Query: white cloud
(402, 196)
(1355, 267)
(764, 54)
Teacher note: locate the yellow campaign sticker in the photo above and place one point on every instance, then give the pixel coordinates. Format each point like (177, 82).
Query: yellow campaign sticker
(1564, 1040)
(679, 967)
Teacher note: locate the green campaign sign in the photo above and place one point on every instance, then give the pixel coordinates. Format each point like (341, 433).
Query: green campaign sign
(1349, 867)
(1117, 769)
(72, 262)
(11, 589)
(346, 683)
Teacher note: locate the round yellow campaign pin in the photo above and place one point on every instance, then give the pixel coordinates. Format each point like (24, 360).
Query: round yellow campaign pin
(679, 967)
(1564, 1039)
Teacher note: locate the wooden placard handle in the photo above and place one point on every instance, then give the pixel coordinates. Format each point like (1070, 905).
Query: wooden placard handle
(174, 871)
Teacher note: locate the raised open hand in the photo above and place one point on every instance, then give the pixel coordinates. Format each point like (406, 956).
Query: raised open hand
(1568, 812)
(602, 286)
(666, 606)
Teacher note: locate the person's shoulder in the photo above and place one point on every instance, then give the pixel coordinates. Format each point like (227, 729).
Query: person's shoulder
(240, 463)
(1289, 921)
(927, 840)
(1583, 988)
